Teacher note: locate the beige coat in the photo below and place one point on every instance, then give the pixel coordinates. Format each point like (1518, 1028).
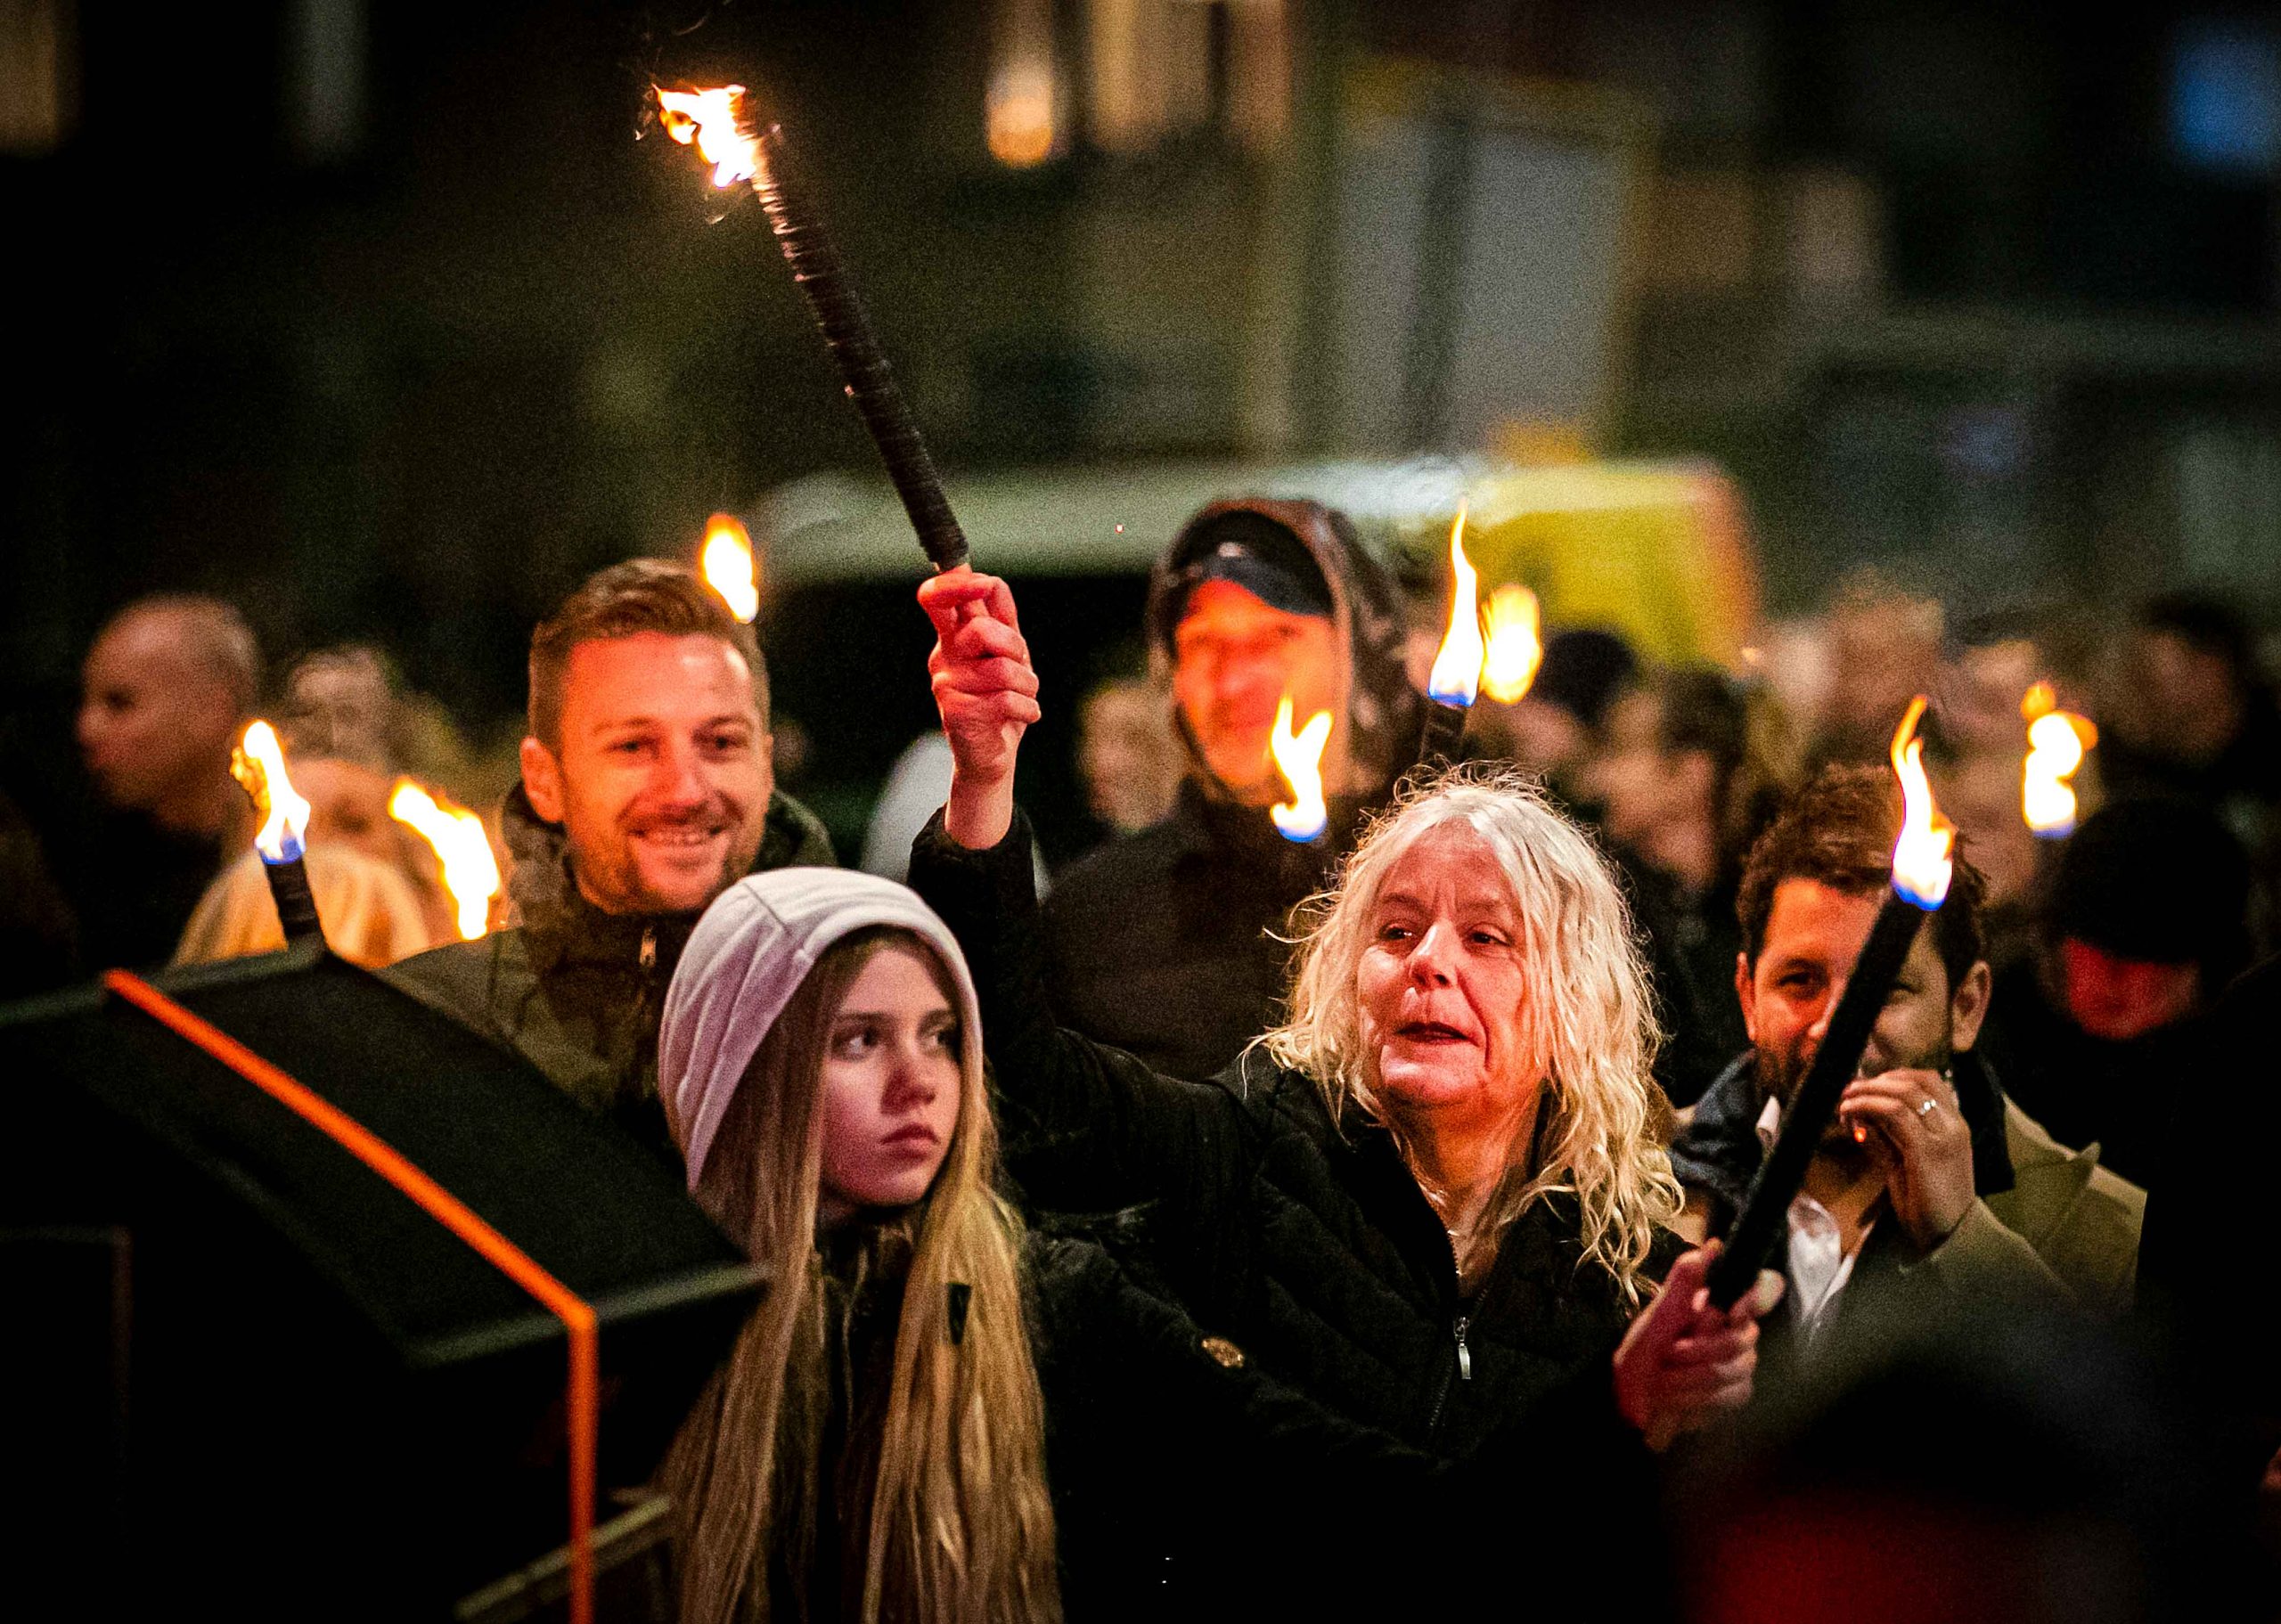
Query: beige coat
(2081, 1219)
(2066, 1228)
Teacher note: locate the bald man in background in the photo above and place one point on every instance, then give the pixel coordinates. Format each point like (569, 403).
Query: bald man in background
(164, 691)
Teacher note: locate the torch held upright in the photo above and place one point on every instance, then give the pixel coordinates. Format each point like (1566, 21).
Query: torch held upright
(296, 904)
(1766, 1210)
(854, 349)
(1443, 736)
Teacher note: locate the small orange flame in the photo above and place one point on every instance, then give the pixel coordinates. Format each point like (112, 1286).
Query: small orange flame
(462, 849)
(1456, 676)
(1298, 758)
(2057, 742)
(259, 764)
(1515, 648)
(728, 565)
(709, 120)
(2039, 701)
(1922, 867)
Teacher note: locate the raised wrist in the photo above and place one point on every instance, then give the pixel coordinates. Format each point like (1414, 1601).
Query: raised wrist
(978, 816)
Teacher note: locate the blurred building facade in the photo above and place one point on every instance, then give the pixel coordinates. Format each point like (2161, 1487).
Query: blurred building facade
(383, 321)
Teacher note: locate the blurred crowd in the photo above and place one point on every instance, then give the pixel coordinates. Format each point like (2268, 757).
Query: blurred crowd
(2097, 976)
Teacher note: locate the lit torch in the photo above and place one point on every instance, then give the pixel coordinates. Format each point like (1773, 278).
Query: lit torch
(1298, 758)
(1515, 648)
(259, 764)
(2057, 742)
(462, 850)
(1456, 676)
(726, 561)
(713, 121)
(1922, 867)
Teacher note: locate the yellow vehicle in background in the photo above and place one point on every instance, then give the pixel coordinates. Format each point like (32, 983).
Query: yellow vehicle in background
(1657, 552)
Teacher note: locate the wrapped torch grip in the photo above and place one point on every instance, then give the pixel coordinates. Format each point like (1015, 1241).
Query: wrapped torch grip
(296, 904)
(863, 366)
(1443, 734)
(1765, 1214)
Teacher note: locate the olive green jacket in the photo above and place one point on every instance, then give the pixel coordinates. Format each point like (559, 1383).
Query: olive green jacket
(2081, 1219)
(577, 992)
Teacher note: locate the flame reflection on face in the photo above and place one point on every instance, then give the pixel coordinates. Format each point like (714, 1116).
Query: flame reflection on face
(1456, 676)
(258, 764)
(709, 121)
(727, 563)
(1922, 866)
(1298, 758)
(471, 869)
(1514, 649)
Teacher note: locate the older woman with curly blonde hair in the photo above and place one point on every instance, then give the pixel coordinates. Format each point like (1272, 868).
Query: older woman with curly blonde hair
(1433, 1200)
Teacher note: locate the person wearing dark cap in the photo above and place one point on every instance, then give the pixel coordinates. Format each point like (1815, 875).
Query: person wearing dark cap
(2143, 926)
(1167, 942)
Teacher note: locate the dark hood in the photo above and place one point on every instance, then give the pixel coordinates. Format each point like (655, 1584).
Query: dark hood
(1382, 709)
(547, 901)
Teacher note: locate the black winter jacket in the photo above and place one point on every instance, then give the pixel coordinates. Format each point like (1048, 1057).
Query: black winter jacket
(1192, 968)
(1169, 943)
(1310, 1247)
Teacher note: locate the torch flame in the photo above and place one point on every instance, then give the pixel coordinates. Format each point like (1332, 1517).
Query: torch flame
(2057, 742)
(1514, 649)
(2039, 701)
(1456, 676)
(1298, 758)
(470, 870)
(728, 565)
(1921, 864)
(259, 764)
(709, 121)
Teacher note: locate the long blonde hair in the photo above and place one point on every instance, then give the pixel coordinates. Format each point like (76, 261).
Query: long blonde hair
(961, 1525)
(1589, 1029)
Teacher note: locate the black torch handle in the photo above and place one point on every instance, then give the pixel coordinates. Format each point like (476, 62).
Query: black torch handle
(1438, 743)
(296, 904)
(1765, 1213)
(862, 365)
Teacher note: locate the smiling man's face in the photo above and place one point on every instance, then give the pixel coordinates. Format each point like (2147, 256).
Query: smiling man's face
(660, 778)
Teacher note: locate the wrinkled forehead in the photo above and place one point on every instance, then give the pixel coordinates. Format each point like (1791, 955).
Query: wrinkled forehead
(1451, 863)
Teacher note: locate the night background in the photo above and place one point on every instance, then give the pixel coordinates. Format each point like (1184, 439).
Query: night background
(388, 324)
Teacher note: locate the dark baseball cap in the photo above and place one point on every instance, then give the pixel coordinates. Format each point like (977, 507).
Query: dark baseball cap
(1264, 558)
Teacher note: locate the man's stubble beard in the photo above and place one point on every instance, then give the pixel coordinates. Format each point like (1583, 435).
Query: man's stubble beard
(1780, 1077)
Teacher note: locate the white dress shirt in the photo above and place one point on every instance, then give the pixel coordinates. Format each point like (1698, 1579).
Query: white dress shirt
(1819, 1265)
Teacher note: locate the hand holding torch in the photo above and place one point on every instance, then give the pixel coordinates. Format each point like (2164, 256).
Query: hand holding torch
(1921, 870)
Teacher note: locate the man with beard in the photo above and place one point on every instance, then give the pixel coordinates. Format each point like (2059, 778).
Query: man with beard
(1169, 942)
(647, 791)
(1928, 1187)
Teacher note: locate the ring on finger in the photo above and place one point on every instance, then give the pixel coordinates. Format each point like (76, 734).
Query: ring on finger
(1925, 1107)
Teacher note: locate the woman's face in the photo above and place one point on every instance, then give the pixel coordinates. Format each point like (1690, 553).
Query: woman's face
(1440, 986)
(891, 1086)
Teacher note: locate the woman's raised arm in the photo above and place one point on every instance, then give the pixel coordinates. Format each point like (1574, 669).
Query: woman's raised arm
(1086, 1125)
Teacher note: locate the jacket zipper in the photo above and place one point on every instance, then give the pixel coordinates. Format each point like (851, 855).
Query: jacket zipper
(1464, 1368)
